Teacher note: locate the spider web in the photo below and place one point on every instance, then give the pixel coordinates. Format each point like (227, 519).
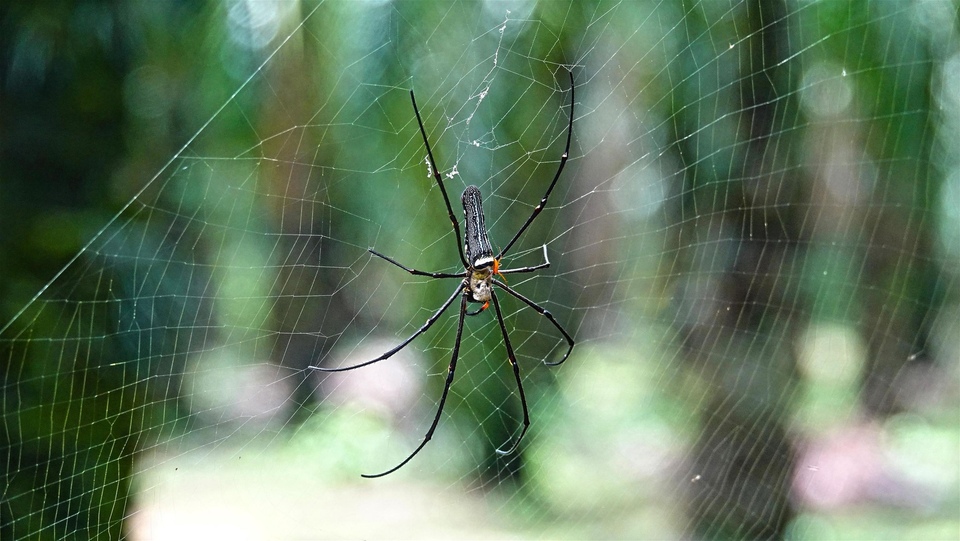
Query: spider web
(754, 244)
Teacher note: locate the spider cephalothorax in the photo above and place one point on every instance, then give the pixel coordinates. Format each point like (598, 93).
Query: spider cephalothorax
(480, 285)
(481, 269)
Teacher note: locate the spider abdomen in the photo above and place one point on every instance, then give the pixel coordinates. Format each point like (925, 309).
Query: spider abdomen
(476, 244)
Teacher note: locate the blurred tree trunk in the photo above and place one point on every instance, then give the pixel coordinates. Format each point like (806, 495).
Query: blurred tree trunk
(306, 316)
(740, 212)
(897, 279)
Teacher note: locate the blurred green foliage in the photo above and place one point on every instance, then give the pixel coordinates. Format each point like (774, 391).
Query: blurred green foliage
(746, 244)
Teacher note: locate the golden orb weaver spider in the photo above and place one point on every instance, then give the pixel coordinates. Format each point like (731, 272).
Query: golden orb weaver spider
(481, 268)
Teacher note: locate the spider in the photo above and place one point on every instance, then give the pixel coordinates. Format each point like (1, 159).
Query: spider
(477, 282)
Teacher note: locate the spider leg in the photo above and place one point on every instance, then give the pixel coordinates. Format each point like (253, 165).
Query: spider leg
(543, 201)
(443, 397)
(401, 345)
(543, 312)
(545, 264)
(478, 310)
(439, 178)
(516, 374)
(415, 271)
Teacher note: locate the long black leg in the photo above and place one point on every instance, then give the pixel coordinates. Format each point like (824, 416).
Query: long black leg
(421, 330)
(439, 178)
(543, 312)
(516, 374)
(545, 264)
(415, 271)
(443, 397)
(543, 201)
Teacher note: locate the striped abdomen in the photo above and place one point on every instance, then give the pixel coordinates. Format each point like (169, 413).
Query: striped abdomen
(476, 244)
